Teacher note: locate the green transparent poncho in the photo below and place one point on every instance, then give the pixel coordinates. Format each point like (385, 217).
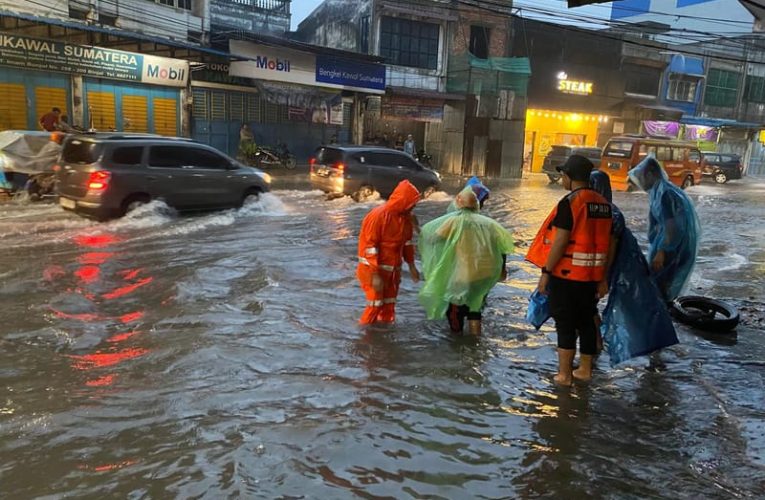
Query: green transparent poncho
(462, 260)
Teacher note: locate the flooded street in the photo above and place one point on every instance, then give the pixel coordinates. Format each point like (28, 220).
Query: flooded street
(218, 356)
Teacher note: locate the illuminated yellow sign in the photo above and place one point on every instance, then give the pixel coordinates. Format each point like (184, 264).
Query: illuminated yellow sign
(762, 136)
(575, 87)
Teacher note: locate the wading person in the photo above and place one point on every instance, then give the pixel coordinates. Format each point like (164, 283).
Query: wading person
(385, 242)
(571, 248)
(463, 257)
(673, 229)
(481, 192)
(635, 319)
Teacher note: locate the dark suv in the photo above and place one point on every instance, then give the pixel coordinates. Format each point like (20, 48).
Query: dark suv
(559, 154)
(106, 175)
(721, 167)
(359, 171)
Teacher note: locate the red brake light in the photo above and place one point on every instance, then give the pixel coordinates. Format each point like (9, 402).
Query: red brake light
(340, 167)
(312, 161)
(99, 180)
(56, 168)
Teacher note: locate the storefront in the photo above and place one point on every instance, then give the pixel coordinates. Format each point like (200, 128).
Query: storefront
(94, 87)
(547, 128)
(393, 117)
(299, 98)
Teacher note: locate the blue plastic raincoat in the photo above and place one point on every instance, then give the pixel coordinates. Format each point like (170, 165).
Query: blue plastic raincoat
(481, 192)
(673, 227)
(635, 321)
(462, 258)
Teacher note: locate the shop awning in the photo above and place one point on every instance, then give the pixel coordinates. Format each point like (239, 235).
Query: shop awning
(718, 122)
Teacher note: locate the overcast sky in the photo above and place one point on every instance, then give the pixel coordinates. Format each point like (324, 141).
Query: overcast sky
(302, 8)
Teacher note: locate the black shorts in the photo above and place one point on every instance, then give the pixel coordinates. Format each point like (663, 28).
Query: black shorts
(573, 306)
(457, 314)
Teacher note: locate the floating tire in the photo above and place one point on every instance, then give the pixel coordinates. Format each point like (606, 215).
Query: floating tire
(705, 314)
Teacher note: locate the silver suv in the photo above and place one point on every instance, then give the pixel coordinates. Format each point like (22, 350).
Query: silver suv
(106, 175)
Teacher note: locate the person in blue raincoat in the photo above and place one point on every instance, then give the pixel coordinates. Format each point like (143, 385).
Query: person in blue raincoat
(673, 228)
(481, 192)
(635, 320)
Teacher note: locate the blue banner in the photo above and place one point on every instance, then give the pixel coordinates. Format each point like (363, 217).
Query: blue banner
(350, 73)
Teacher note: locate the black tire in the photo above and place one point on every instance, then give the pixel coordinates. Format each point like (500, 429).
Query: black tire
(721, 177)
(251, 195)
(705, 314)
(289, 163)
(687, 182)
(363, 193)
(553, 178)
(134, 201)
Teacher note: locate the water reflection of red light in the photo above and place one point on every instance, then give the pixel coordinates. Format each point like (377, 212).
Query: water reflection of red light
(104, 359)
(95, 258)
(88, 274)
(108, 467)
(130, 274)
(131, 317)
(101, 381)
(125, 290)
(87, 317)
(52, 273)
(121, 337)
(96, 240)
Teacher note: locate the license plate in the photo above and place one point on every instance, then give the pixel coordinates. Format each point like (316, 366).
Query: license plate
(322, 172)
(67, 203)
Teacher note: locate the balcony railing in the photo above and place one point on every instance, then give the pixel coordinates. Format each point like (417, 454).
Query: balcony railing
(278, 6)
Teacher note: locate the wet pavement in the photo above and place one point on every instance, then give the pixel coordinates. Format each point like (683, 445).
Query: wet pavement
(218, 356)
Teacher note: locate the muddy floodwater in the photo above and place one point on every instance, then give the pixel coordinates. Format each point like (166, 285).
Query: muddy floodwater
(218, 356)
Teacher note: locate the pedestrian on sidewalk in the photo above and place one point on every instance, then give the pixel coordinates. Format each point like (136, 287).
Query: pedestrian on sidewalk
(49, 121)
(463, 257)
(385, 242)
(673, 228)
(409, 146)
(571, 248)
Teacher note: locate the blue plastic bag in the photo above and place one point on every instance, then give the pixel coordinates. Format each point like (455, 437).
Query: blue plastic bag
(539, 310)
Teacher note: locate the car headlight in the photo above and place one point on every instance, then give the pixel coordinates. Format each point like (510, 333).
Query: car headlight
(266, 177)
(438, 176)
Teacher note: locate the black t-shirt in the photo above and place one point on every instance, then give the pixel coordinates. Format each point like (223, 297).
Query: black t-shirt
(564, 218)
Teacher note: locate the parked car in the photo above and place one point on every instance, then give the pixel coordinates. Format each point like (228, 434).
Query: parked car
(359, 171)
(559, 154)
(721, 167)
(108, 174)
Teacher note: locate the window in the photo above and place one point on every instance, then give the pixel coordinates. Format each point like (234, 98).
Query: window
(722, 88)
(407, 162)
(641, 80)
(203, 158)
(619, 149)
(694, 155)
(678, 154)
(327, 156)
(479, 42)
(128, 155)
(82, 152)
(663, 153)
(180, 4)
(682, 88)
(409, 43)
(646, 150)
(168, 156)
(755, 89)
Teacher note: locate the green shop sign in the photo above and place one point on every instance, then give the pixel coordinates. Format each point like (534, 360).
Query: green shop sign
(47, 55)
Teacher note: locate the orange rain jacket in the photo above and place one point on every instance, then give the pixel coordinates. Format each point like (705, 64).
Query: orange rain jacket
(385, 242)
(587, 251)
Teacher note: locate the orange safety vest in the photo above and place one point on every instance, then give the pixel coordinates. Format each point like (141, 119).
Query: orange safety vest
(587, 251)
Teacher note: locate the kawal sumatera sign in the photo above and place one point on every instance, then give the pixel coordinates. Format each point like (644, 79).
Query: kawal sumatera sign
(97, 62)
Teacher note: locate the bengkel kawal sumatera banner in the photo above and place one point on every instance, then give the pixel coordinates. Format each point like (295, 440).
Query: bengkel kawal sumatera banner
(47, 55)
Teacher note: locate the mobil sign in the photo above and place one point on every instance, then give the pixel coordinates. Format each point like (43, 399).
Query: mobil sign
(272, 63)
(164, 71)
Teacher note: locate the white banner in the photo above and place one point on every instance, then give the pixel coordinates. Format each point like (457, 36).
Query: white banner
(272, 63)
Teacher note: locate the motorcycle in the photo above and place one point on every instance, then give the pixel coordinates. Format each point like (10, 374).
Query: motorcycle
(424, 158)
(265, 157)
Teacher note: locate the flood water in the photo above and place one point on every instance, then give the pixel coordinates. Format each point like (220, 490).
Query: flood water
(218, 356)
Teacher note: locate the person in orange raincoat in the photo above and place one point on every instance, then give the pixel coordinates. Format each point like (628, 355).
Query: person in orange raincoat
(385, 242)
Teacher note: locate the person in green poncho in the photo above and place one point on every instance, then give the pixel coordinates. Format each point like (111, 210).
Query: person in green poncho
(463, 257)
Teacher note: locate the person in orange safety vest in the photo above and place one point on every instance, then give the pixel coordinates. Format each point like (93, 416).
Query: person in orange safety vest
(385, 242)
(572, 249)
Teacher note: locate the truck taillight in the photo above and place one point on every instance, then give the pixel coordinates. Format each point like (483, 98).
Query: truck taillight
(312, 163)
(99, 180)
